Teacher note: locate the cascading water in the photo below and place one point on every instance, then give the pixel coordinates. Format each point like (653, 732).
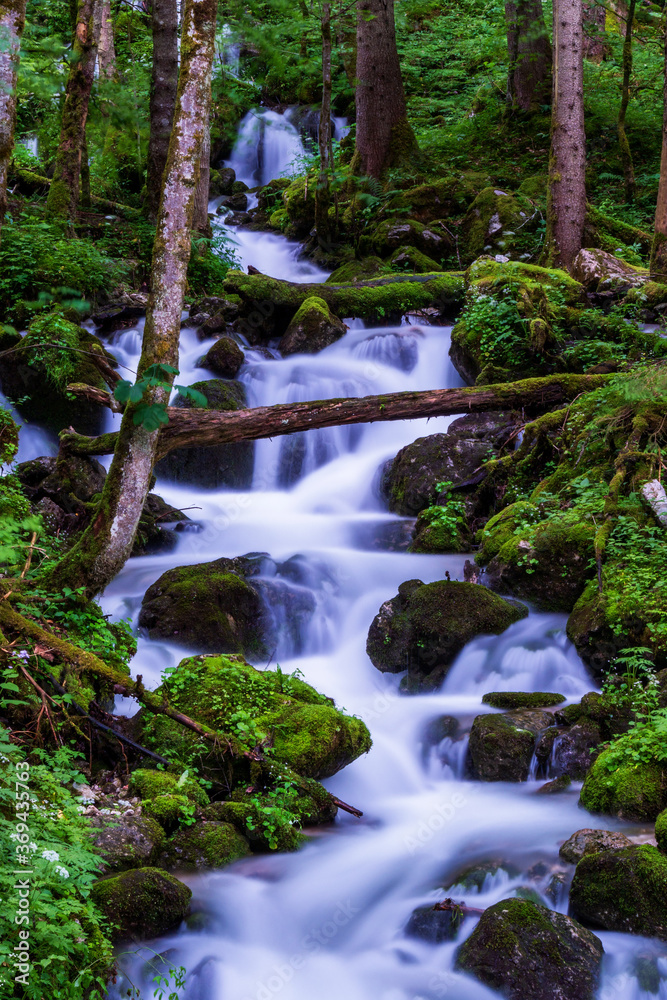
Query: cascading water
(329, 921)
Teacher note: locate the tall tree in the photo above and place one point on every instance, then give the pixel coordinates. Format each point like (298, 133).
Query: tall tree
(323, 193)
(12, 22)
(200, 221)
(566, 192)
(626, 154)
(384, 136)
(659, 248)
(64, 191)
(529, 48)
(106, 52)
(105, 545)
(595, 43)
(164, 80)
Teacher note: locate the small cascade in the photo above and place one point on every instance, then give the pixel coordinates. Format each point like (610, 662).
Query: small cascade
(268, 146)
(228, 51)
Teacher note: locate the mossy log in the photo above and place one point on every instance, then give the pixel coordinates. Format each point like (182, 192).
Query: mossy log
(29, 182)
(204, 428)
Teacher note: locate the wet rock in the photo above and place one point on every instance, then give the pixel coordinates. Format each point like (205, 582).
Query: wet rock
(636, 790)
(157, 526)
(474, 877)
(440, 729)
(238, 219)
(597, 641)
(501, 747)
(207, 844)
(575, 750)
(530, 953)
(600, 271)
(125, 842)
(224, 358)
(313, 328)
(234, 202)
(423, 628)
(222, 180)
(117, 317)
(556, 786)
(221, 465)
(434, 926)
(622, 890)
(143, 903)
(589, 841)
(661, 831)
(522, 699)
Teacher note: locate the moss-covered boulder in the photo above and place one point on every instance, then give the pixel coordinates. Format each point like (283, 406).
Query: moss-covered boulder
(661, 831)
(308, 733)
(495, 223)
(395, 234)
(588, 841)
(412, 261)
(143, 903)
(599, 271)
(224, 358)
(313, 328)
(169, 810)
(501, 747)
(222, 465)
(299, 202)
(125, 842)
(423, 628)
(522, 699)
(439, 199)
(262, 823)
(623, 890)
(358, 270)
(149, 783)
(206, 844)
(632, 790)
(530, 953)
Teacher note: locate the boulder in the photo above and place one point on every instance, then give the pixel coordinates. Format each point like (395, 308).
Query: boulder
(207, 844)
(501, 747)
(357, 270)
(413, 261)
(222, 180)
(661, 831)
(588, 841)
(423, 628)
(149, 784)
(599, 271)
(432, 925)
(238, 219)
(447, 196)
(221, 465)
(522, 699)
(622, 890)
(125, 842)
(495, 223)
(635, 790)
(313, 328)
(224, 358)
(395, 234)
(574, 750)
(169, 810)
(600, 629)
(265, 830)
(530, 953)
(143, 903)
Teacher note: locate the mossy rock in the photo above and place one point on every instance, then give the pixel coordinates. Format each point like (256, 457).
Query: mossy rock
(206, 844)
(423, 628)
(413, 261)
(623, 890)
(309, 734)
(530, 953)
(261, 829)
(473, 877)
(613, 720)
(599, 271)
(522, 699)
(169, 810)
(661, 831)
(313, 328)
(633, 791)
(439, 199)
(501, 747)
(606, 233)
(141, 904)
(148, 784)
(358, 270)
(299, 202)
(535, 188)
(125, 842)
(393, 235)
(494, 222)
(224, 358)
(588, 841)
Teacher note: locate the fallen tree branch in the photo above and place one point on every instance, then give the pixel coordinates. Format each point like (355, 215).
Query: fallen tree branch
(196, 428)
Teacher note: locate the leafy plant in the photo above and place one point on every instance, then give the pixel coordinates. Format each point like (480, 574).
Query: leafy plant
(151, 415)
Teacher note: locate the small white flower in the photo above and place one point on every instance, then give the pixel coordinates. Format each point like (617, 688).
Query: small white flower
(62, 871)
(32, 846)
(51, 855)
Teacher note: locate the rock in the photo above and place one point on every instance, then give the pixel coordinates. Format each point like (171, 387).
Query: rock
(413, 261)
(212, 314)
(222, 180)
(423, 628)
(221, 465)
(409, 482)
(575, 750)
(357, 270)
(224, 358)
(309, 734)
(635, 791)
(600, 271)
(661, 831)
(447, 196)
(555, 786)
(501, 747)
(299, 202)
(493, 221)
(153, 535)
(599, 638)
(125, 842)
(522, 699)
(530, 953)
(70, 481)
(143, 903)
(248, 818)
(169, 810)
(148, 784)
(205, 845)
(238, 219)
(589, 841)
(474, 877)
(623, 890)
(236, 202)
(393, 235)
(313, 328)
(434, 926)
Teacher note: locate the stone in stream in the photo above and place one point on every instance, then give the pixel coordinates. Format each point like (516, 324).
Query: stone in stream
(125, 842)
(575, 750)
(142, 903)
(423, 628)
(225, 358)
(501, 747)
(522, 699)
(589, 841)
(528, 952)
(631, 791)
(313, 328)
(434, 926)
(206, 844)
(623, 890)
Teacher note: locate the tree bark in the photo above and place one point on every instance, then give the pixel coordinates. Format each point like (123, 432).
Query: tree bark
(659, 248)
(12, 23)
(384, 136)
(626, 154)
(323, 193)
(566, 193)
(595, 44)
(106, 52)
(64, 191)
(200, 221)
(194, 428)
(529, 48)
(106, 544)
(164, 81)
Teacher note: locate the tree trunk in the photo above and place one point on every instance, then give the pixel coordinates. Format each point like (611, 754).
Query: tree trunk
(12, 23)
(626, 154)
(323, 193)
(106, 52)
(384, 136)
(85, 174)
(163, 97)
(200, 221)
(529, 48)
(64, 191)
(106, 544)
(595, 44)
(566, 193)
(194, 428)
(659, 248)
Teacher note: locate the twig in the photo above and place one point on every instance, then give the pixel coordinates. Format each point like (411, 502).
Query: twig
(30, 552)
(45, 708)
(346, 808)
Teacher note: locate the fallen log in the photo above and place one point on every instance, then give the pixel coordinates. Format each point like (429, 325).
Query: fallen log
(197, 428)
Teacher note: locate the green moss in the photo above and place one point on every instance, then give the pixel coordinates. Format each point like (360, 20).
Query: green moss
(149, 784)
(623, 890)
(299, 201)
(633, 791)
(522, 699)
(661, 831)
(496, 222)
(169, 810)
(207, 844)
(142, 903)
(358, 270)
(412, 260)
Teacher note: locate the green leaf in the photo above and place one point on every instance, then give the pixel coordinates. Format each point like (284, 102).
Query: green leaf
(198, 398)
(122, 391)
(151, 416)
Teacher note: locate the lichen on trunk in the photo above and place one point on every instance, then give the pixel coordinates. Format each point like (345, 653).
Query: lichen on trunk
(12, 22)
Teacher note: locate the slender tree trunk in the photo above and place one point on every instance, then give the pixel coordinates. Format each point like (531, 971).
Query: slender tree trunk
(595, 45)
(200, 222)
(384, 136)
(12, 23)
(659, 248)
(566, 193)
(529, 48)
(85, 174)
(106, 52)
(626, 154)
(64, 191)
(106, 544)
(323, 193)
(163, 97)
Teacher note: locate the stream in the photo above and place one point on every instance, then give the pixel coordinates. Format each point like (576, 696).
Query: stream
(328, 922)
